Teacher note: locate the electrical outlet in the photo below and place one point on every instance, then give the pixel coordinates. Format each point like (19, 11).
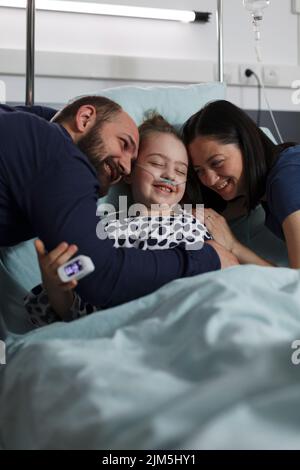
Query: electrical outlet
(270, 75)
(243, 79)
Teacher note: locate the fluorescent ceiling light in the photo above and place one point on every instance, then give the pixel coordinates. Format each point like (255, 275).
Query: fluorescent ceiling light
(111, 10)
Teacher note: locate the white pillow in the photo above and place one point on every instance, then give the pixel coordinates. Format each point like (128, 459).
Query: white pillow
(174, 103)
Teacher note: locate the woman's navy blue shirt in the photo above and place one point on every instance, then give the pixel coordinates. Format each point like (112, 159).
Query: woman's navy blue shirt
(283, 190)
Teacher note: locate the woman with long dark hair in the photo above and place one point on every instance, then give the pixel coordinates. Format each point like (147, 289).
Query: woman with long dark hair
(239, 167)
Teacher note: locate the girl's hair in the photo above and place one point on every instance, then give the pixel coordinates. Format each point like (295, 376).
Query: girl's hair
(228, 124)
(154, 122)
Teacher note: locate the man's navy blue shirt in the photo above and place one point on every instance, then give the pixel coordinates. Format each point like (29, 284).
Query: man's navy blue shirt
(49, 189)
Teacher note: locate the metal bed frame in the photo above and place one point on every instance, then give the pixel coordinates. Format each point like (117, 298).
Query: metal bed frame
(30, 47)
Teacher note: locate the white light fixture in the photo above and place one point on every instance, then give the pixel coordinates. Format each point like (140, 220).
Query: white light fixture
(185, 16)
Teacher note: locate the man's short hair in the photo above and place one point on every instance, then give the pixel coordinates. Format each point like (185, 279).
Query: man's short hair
(106, 109)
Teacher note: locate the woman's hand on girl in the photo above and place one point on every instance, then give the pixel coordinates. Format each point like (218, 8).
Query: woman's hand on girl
(219, 229)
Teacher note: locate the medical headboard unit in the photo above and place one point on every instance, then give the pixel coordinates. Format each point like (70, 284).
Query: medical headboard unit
(30, 45)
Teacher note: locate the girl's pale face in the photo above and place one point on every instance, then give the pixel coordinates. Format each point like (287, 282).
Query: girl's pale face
(160, 156)
(218, 166)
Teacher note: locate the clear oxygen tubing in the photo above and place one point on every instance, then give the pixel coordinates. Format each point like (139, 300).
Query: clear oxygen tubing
(256, 7)
(161, 180)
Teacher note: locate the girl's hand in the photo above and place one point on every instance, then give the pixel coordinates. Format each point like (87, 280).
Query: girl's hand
(219, 229)
(59, 293)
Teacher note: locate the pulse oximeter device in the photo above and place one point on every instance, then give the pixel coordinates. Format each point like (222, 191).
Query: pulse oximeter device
(76, 268)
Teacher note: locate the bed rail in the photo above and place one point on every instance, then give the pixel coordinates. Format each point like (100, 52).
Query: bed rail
(30, 48)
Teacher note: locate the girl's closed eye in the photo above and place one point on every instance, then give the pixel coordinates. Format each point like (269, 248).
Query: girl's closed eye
(157, 164)
(181, 172)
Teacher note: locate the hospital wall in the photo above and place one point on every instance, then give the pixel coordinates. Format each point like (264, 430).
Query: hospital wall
(80, 53)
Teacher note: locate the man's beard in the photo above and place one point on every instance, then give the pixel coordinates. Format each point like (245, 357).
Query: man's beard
(93, 147)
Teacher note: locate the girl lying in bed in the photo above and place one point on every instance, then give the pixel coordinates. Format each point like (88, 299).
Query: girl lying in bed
(158, 182)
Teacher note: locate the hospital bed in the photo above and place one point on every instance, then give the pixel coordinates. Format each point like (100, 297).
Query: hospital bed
(203, 363)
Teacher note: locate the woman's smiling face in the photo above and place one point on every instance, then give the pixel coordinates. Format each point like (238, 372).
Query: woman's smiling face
(218, 166)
